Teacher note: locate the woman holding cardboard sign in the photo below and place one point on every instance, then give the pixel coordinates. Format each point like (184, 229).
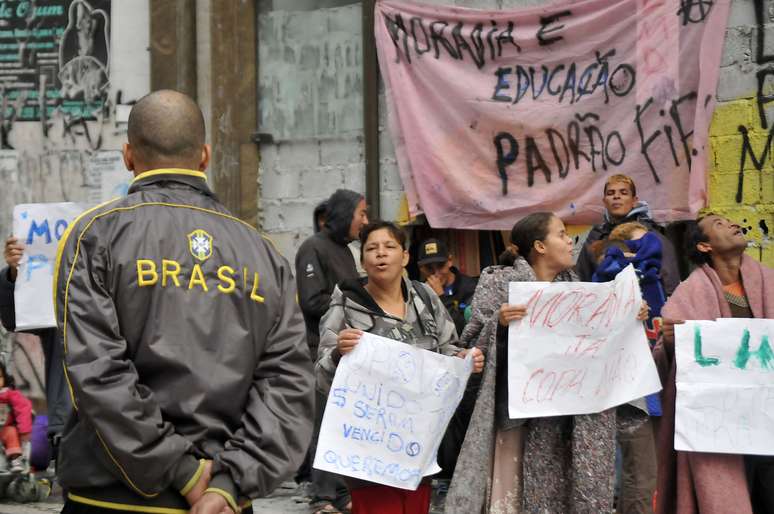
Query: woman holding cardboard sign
(555, 464)
(385, 304)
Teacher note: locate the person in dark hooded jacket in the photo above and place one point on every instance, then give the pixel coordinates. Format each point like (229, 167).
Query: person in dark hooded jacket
(322, 261)
(318, 216)
(622, 206)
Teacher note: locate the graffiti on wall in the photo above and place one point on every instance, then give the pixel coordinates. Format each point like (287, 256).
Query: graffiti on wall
(58, 108)
(742, 178)
(54, 57)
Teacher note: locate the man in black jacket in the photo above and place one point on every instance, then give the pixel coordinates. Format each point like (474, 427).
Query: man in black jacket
(183, 341)
(637, 445)
(622, 206)
(453, 287)
(322, 261)
(57, 397)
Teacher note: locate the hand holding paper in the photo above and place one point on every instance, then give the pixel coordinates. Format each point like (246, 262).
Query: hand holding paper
(13, 253)
(476, 358)
(347, 340)
(510, 313)
(644, 309)
(387, 411)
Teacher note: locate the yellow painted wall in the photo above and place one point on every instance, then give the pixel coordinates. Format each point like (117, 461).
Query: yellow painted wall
(758, 188)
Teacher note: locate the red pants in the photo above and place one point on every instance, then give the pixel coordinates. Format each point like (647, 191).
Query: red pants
(10, 438)
(383, 499)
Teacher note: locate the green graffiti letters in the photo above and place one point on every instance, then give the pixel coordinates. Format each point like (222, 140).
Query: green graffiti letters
(764, 353)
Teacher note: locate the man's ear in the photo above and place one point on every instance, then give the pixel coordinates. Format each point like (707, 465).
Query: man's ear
(128, 155)
(704, 247)
(205, 159)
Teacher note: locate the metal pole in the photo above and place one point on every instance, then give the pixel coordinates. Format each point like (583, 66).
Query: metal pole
(371, 110)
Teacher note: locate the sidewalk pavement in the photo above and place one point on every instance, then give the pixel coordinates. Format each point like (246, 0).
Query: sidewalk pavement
(282, 501)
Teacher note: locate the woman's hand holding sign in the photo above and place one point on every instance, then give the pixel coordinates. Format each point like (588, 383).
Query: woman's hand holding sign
(347, 340)
(510, 313)
(477, 356)
(644, 310)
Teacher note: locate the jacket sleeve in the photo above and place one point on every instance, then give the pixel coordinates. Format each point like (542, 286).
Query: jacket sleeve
(276, 426)
(448, 341)
(483, 306)
(7, 312)
(670, 271)
(314, 290)
(585, 266)
(148, 455)
(22, 411)
(457, 314)
(328, 355)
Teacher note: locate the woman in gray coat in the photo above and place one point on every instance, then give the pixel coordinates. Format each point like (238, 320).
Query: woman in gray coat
(562, 464)
(386, 304)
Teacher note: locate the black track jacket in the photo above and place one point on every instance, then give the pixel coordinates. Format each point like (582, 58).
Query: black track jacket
(183, 341)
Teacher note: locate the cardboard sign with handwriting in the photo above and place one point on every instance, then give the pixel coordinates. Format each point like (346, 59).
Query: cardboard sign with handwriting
(387, 411)
(579, 349)
(725, 386)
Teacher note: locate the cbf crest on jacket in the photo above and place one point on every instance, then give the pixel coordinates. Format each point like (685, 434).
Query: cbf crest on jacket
(183, 342)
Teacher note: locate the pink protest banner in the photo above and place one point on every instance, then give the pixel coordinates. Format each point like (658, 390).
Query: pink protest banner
(496, 114)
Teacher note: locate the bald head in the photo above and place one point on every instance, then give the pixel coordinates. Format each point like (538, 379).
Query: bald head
(166, 130)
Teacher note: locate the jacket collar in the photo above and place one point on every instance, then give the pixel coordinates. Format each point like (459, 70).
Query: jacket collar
(193, 178)
(354, 290)
(639, 212)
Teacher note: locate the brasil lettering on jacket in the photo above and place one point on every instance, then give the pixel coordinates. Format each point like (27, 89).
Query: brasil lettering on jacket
(171, 273)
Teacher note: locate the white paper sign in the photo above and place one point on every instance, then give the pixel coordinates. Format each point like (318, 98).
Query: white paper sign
(579, 349)
(108, 172)
(725, 386)
(387, 411)
(40, 227)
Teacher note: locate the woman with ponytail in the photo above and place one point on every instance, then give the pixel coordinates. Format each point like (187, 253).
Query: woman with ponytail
(552, 464)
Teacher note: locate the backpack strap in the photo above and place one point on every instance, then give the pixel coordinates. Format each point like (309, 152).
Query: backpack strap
(424, 296)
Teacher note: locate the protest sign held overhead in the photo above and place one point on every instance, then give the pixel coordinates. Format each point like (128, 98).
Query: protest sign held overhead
(496, 114)
(579, 349)
(39, 227)
(725, 386)
(387, 411)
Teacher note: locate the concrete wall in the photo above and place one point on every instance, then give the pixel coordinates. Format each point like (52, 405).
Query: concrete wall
(310, 105)
(298, 173)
